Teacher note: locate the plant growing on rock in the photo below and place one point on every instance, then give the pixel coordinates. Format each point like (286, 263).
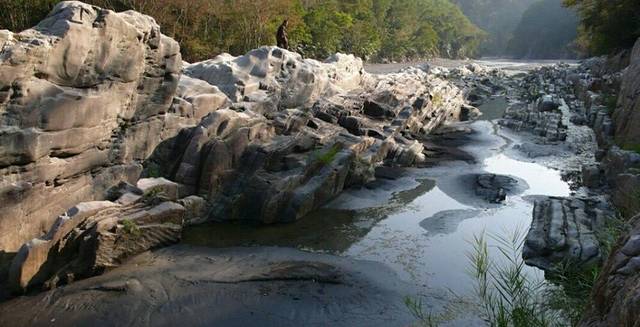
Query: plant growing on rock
(130, 227)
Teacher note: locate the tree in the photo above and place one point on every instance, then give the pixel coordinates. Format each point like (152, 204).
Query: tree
(607, 25)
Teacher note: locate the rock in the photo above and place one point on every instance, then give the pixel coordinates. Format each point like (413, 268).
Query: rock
(494, 188)
(592, 176)
(548, 103)
(626, 117)
(563, 230)
(159, 186)
(291, 80)
(616, 297)
(195, 209)
(92, 237)
(546, 124)
(296, 135)
(274, 284)
(123, 188)
(80, 96)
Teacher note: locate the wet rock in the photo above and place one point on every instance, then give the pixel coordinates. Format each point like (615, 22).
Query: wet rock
(273, 284)
(494, 188)
(563, 230)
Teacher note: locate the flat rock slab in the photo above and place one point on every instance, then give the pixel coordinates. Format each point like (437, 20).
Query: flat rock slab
(193, 286)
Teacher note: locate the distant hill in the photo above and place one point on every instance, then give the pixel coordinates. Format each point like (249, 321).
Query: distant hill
(499, 18)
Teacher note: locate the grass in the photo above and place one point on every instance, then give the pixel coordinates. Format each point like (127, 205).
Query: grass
(506, 295)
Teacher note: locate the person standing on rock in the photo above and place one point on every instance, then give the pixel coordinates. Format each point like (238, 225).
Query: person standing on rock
(281, 35)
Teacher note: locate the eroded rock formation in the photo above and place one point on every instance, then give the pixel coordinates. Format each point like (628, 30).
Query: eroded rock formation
(89, 97)
(85, 96)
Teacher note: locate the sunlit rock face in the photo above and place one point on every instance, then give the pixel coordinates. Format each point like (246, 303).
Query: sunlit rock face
(84, 97)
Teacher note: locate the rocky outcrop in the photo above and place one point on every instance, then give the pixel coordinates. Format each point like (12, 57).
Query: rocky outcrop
(563, 230)
(615, 297)
(85, 96)
(299, 131)
(94, 236)
(627, 114)
(544, 119)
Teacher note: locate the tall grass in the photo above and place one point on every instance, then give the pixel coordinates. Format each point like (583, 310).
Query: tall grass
(508, 295)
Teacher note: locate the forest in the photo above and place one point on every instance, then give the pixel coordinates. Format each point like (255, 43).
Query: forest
(379, 30)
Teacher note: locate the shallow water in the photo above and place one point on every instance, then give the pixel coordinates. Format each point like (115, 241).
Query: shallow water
(422, 225)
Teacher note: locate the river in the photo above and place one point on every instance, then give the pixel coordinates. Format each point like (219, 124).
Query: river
(423, 223)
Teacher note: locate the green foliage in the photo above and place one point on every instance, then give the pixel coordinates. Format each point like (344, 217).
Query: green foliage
(507, 295)
(546, 31)
(607, 26)
(327, 157)
(426, 319)
(632, 147)
(130, 227)
(382, 29)
(18, 15)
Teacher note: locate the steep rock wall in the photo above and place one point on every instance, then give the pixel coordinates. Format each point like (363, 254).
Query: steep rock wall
(84, 97)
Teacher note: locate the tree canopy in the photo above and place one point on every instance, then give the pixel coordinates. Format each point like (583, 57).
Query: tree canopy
(374, 29)
(607, 25)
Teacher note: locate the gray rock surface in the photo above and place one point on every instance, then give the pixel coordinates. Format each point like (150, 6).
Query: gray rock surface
(189, 286)
(563, 231)
(494, 188)
(299, 131)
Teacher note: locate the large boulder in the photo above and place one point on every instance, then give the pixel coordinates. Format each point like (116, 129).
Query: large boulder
(84, 97)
